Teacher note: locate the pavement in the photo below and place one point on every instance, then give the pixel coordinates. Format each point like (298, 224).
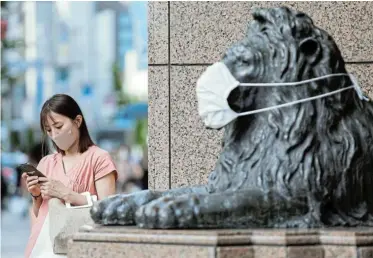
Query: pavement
(15, 231)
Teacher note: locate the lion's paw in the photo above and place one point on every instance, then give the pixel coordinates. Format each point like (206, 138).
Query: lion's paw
(169, 212)
(119, 209)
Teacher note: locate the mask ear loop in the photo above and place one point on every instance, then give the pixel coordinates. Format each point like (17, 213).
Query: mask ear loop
(294, 102)
(355, 86)
(358, 89)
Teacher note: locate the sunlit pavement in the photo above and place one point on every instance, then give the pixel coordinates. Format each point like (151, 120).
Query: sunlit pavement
(15, 230)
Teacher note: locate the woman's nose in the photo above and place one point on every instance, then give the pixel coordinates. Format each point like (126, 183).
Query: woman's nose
(53, 133)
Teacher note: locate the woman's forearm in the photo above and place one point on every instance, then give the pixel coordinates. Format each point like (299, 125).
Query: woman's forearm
(75, 198)
(36, 203)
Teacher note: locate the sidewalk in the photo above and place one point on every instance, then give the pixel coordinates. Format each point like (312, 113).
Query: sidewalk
(15, 231)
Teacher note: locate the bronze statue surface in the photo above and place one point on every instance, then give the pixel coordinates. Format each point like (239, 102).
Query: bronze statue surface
(306, 165)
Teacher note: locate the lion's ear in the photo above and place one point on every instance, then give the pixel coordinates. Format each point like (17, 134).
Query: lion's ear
(310, 47)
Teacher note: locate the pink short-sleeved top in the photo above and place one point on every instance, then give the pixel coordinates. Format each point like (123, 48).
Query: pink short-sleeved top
(93, 164)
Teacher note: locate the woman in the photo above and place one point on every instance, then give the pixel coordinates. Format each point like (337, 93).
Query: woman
(78, 166)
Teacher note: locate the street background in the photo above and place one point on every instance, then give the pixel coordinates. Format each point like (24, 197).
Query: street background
(95, 52)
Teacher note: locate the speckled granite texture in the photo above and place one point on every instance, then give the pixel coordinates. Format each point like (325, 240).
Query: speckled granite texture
(194, 149)
(132, 242)
(159, 128)
(158, 33)
(185, 37)
(201, 31)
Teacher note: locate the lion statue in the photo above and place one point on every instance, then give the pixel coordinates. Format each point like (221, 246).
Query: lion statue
(306, 165)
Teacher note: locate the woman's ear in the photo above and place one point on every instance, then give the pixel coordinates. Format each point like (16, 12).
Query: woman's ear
(78, 120)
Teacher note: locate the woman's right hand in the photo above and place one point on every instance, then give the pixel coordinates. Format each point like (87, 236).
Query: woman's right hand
(32, 183)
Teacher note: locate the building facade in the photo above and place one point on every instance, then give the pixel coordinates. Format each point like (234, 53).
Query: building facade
(71, 47)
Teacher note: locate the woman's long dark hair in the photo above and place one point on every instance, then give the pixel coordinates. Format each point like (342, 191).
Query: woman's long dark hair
(65, 105)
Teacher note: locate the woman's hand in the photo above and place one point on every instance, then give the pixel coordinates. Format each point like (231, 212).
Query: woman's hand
(32, 183)
(53, 188)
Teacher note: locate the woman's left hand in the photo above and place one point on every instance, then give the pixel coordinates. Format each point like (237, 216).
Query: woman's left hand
(53, 188)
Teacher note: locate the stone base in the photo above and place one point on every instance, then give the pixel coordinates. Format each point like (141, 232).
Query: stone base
(118, 241)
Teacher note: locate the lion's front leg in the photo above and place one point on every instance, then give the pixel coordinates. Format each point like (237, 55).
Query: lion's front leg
(120, 209)
(169, 212)
(243, 208)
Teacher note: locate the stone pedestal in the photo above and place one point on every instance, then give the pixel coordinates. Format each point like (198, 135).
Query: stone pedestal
(112, 242)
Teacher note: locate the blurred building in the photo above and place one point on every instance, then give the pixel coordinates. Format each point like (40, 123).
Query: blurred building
(12, 79)
(136, 59)
(71, 47)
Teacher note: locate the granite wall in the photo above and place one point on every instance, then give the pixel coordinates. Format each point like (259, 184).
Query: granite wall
(186, 37)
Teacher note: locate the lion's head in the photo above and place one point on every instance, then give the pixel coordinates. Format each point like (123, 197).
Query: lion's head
(282, 45)
(322, 149)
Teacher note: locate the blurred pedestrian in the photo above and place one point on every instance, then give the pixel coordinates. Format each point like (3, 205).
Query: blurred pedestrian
(36, 153)
(144, 166)
(4, 191)
(130, 172)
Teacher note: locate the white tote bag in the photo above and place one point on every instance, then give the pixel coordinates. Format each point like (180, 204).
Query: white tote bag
(60, 224)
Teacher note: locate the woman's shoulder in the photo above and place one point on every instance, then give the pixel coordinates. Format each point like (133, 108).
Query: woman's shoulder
(97, 152)
(102, 162)
(100, 157)
(48, 160)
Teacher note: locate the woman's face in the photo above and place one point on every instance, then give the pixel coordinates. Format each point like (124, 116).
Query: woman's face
(62, 130)
(56, 123)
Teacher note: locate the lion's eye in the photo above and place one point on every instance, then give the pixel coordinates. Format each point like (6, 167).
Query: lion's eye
(246, 61)
(264, 31)
(246, 58)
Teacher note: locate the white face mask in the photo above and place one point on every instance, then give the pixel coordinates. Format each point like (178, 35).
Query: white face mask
(65, 139)
(217, 82)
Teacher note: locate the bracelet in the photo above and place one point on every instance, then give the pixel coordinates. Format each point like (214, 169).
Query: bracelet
(35, 197)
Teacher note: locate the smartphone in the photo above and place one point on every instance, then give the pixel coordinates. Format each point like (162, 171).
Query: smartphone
(30, 170)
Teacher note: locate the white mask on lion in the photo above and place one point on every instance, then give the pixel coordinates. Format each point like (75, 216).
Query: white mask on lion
(217, 82)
